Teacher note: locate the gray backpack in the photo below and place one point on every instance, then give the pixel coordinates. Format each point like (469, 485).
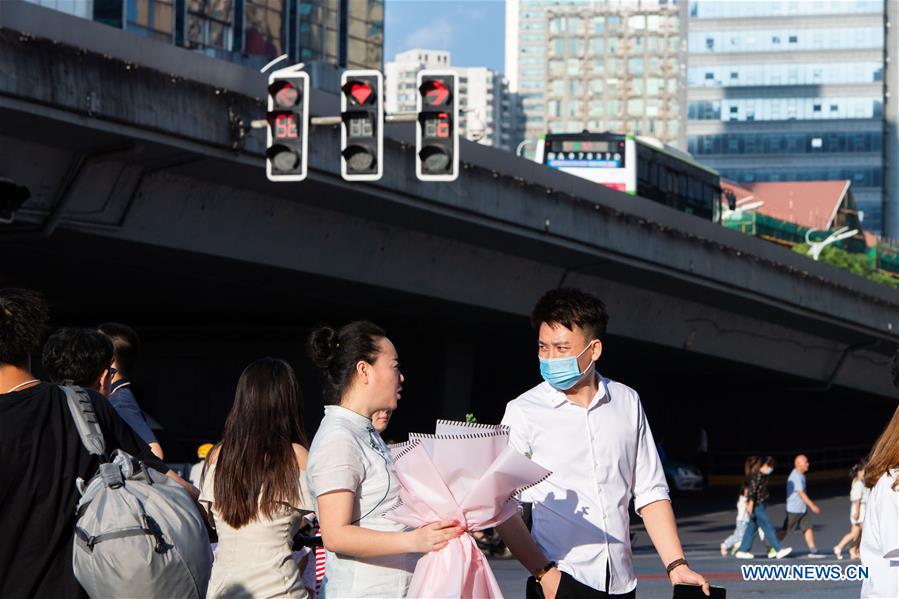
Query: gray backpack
(137, 532)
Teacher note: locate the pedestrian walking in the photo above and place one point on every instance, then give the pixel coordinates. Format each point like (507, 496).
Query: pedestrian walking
(799, 505)
(757, 508)
(592, 433)
(255, 487)
(351, 473)
(126, 346)
(43, 455)
(732, 542)
(858, 496)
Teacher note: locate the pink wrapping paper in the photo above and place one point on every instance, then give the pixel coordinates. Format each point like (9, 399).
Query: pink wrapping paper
(464, 472)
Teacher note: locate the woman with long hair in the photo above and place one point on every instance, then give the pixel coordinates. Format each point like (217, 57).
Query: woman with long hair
(880, 536)
(351, 474)
(255, 487)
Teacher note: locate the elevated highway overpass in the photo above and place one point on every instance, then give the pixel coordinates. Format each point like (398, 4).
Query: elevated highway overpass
(150, 203)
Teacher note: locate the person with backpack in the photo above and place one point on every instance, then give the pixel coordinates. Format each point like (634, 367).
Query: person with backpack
(351, 475)
(255, 487)
(42, 450)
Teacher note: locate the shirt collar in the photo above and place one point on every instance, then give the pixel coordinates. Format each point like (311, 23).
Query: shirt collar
(118, 385)
(354, 419)
(557, 398)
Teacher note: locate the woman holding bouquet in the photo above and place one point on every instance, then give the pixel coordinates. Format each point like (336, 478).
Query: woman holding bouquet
(350, 468)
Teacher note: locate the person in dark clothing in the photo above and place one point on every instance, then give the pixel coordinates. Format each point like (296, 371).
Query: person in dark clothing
(757, 508)
(42, 454)
(126, 346)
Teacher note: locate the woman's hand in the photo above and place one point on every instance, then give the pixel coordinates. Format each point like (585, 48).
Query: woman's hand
(434, 536)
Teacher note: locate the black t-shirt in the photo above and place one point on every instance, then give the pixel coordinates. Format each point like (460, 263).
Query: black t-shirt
(41, 455)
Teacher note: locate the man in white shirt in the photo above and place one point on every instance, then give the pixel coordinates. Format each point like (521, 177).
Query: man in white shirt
(592, 433)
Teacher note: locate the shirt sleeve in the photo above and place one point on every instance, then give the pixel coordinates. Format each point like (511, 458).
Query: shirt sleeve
(126, 405)
(118, 435)
(518, 430)
(336, 464)
(649, 476)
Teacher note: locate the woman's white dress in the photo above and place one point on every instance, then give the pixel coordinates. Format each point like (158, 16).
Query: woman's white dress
(348, 454)
(256, 560)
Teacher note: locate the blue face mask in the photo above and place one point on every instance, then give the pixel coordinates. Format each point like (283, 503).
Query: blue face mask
(562, 373)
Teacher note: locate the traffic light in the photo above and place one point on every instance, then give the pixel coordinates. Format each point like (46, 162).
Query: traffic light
(362, 134)
(288, 126)
(436, 141)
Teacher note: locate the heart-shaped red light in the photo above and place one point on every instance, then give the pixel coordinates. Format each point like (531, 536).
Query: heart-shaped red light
(361, 92)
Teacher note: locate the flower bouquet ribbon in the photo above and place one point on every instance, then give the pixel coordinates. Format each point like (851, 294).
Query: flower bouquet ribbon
(464, 472)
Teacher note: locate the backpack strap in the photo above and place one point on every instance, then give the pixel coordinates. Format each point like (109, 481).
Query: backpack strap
(86, 421)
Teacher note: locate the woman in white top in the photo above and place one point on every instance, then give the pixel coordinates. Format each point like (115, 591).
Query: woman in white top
(255, 487)
(880, 537)
(351, 474)
(858, 495)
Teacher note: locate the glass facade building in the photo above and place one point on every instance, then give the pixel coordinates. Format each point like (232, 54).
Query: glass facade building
(345, 33)
(600, 65)
(790, 91)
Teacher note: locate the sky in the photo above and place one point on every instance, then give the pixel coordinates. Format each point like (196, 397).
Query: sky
(472, 30)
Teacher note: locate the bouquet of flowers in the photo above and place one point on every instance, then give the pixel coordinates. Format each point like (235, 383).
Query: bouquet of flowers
(469, 473)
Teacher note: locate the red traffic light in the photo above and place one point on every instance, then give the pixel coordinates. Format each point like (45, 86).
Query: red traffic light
(285, 94)
(359, 91)
(434, 92)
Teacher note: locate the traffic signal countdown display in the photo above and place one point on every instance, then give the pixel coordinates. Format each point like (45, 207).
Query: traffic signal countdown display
(436, 140)
(362, 133)
(288, 127)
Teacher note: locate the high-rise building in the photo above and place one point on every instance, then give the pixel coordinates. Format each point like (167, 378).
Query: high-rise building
(484, 98)
(613, 65)
(344, 33)
(790, 91)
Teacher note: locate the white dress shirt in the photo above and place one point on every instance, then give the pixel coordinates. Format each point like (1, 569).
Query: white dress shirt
(600, 457)
(348, 454)
(880, 537)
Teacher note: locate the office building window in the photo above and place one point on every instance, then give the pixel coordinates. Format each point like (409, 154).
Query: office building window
(152, 18)
(210, 24)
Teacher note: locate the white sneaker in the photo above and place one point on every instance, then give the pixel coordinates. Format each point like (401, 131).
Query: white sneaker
(744, 555)
(838, 553)
(783, 552)
(815, 555)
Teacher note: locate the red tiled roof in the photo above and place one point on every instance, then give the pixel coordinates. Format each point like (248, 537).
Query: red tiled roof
(811, 204)
(870, 239)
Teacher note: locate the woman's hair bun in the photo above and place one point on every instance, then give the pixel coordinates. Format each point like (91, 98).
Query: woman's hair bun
(323, 346)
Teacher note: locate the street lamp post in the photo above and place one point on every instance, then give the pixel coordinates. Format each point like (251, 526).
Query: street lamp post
(816, 247)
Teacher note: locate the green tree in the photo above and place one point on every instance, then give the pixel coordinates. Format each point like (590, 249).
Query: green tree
(858, 264)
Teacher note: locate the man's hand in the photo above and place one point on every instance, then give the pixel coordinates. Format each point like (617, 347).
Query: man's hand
(550, 583)
(684, 575)
(815, 508)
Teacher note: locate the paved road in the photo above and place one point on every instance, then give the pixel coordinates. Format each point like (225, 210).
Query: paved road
(703, 522)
